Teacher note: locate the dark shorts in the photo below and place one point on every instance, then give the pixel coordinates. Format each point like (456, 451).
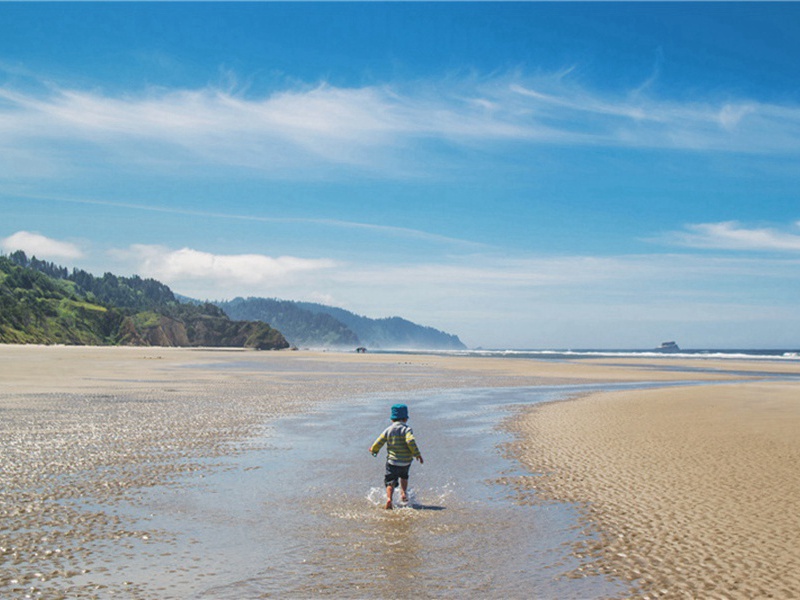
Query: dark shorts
(393, 473)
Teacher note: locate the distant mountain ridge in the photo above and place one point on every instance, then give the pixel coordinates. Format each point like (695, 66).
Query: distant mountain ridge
(311, 324)
(301, 327)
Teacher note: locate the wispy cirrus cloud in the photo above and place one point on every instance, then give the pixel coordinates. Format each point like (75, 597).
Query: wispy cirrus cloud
(731, 235)
(332, 224)
(373, 126)
(40, 246)
(321, 125)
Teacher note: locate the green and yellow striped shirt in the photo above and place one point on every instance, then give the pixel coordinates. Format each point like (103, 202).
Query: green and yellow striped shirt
(400, 444)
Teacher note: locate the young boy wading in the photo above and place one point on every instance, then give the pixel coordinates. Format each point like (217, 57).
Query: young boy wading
(401, 448)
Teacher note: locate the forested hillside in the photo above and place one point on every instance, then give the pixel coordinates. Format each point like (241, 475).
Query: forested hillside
(38, 309)
(43, 303)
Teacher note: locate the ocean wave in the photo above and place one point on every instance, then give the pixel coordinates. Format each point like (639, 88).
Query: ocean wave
(784, 355)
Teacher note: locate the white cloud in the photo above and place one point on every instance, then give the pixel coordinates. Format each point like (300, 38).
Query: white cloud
(374, 127)
(496, 277)
(731, 115)
(35, 244)
(186, 264)
(731, 235)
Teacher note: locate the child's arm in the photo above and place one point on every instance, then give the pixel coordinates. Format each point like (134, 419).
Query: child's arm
(378, 444)
(412, 445)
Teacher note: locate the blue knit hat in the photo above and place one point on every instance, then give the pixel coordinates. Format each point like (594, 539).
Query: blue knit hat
(399, 412)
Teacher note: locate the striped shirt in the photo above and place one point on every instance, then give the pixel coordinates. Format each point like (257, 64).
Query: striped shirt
(400, 444)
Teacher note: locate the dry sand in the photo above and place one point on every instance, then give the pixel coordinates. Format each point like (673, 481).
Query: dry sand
(698, 482)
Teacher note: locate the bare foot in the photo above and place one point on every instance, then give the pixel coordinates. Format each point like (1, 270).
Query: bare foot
(388, 505)
(403, 498)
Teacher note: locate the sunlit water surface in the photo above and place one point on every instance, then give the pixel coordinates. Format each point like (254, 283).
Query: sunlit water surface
(301, 514)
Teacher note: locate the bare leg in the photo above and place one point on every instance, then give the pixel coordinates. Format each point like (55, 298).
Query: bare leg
(403, 489)
(389, 492)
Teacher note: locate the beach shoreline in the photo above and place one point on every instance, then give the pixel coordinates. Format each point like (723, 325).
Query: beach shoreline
(105, 423)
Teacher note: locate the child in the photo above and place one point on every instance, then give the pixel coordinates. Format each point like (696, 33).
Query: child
(401, 448)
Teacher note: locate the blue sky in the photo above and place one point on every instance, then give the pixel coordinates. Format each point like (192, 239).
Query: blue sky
(530, 175)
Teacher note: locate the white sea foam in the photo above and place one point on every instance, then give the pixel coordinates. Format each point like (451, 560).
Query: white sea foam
(782, 355)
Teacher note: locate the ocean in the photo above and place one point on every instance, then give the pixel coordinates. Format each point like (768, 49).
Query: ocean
(569, 354)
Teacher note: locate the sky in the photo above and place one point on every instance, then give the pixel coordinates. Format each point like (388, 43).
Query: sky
(523, 175)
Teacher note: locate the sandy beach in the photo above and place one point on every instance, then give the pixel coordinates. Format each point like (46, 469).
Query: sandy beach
(694, 491)
(689, 491)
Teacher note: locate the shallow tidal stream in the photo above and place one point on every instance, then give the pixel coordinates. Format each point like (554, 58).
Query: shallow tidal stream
(300, 513)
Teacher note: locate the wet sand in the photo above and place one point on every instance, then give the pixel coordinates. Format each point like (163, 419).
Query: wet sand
(84, 430)
(695, 491)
